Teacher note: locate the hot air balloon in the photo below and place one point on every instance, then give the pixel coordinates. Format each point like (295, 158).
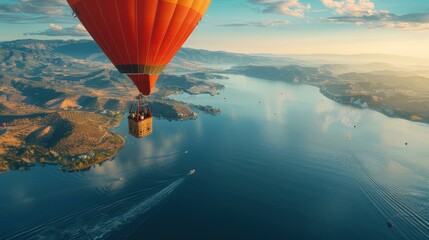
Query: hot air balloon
(140, 37)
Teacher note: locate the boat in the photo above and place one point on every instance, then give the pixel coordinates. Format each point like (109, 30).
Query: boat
(191, 172)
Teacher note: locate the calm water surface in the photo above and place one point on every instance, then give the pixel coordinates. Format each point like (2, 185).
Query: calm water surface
(281, 162)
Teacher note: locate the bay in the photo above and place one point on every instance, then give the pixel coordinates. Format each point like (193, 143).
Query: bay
(281, 162)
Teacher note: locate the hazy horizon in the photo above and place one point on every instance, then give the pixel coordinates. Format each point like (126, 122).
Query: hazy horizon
(261, 26)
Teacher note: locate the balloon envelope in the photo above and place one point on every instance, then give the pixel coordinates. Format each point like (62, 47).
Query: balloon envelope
(140, 37)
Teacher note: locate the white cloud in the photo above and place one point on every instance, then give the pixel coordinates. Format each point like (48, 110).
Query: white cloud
(364, 13)
(48, 7)
(58, 30)
(19, 11)
(80, 27)
(351, 7)
(55, 27)
(270, 23)
(284, 7)
(408, 26)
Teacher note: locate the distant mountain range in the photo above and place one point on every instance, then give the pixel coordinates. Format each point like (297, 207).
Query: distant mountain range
(55, 74)
(40, 75)
(89, 50)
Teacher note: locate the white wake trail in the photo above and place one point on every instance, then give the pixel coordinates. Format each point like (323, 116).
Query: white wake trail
(103, 228)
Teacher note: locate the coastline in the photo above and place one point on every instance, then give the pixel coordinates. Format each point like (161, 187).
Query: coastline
(339, 92)
(75, 151)
(385, 111)
(116, 123)
(107, 158)
(78, 147)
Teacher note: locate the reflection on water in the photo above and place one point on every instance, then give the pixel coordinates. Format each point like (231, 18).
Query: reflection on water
(283, 163)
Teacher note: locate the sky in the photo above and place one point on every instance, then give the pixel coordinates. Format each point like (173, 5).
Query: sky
(397, 27)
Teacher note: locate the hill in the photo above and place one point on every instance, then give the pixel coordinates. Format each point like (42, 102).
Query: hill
(89, 50)
(61, 138)
(40, 75)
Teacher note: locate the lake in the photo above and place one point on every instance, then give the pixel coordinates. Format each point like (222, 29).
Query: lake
(281, 162)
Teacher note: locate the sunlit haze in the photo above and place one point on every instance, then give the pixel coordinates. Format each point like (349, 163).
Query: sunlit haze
(262, 26)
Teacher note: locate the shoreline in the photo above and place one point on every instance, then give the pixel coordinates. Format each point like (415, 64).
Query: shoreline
(391, 114)
(386, 111)
(71, 156)
(110, 157)
(116, 122)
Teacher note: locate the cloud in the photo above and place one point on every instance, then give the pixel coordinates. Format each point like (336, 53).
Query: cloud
(271, 23)
(55, 27)
(57, 30)
(48, 7)
(385, 19)
(351, 7)
(283, 7)
(364, 13)
(32, 10)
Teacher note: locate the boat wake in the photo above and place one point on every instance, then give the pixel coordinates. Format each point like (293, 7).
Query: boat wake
(96, 222)
(102, 228)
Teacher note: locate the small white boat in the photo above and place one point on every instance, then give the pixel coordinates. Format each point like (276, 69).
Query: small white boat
(191, 172)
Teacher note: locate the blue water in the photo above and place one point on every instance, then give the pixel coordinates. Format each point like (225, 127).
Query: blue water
(281, 162)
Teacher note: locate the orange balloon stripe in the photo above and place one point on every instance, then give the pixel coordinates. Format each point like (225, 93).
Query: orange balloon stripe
(186, 32)
(164, 15)
(145, 18)
(188, 27)
(194, 13)
(172, 48)
(173, 33)
(123, 24)
(96, 26)
(102, 18)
